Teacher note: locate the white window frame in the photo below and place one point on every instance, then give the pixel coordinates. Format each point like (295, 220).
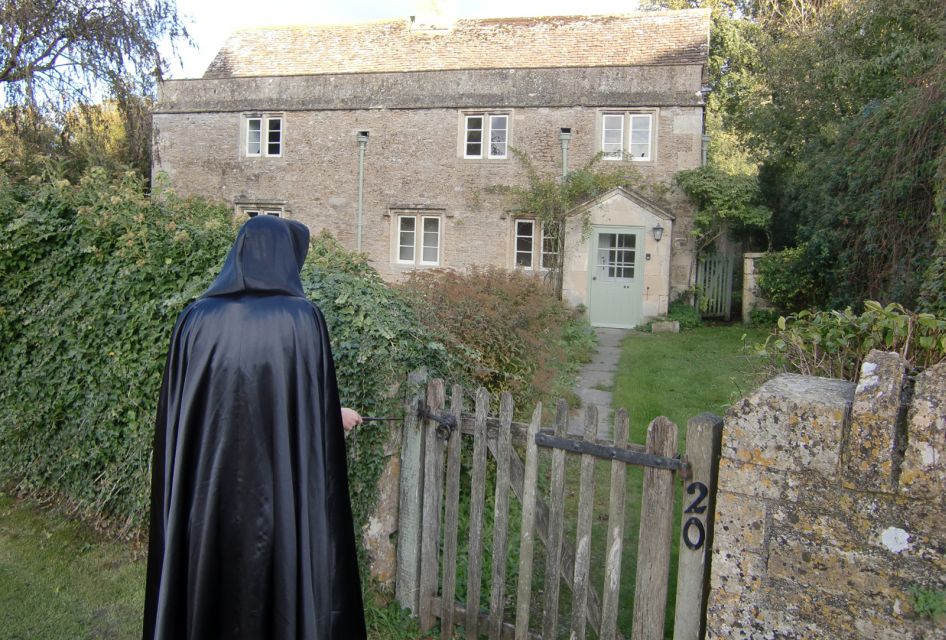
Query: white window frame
(517, 236)
(542, 252)
(266, 122)
(252, 212)
(419, 230)
(489, 125)
(537, 252)
(607, 148)
(630, 124)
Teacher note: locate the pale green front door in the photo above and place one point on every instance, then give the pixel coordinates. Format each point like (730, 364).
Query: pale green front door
(615, 291)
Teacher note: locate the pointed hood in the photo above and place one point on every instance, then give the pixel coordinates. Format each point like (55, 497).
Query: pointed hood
(266, 256)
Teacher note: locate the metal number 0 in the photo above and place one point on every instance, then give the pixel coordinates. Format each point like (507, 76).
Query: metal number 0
(693, 521)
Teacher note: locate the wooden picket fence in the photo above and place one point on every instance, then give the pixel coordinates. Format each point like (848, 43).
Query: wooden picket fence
(432, 444)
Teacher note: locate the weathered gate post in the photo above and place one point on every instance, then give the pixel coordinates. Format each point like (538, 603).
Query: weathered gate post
(411, 496)
(704, 433)
(656, 535)
(431, 507)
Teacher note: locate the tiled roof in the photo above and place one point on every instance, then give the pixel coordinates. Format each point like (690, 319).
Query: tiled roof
(644, 38)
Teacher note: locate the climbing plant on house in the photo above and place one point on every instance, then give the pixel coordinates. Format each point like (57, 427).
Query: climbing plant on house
(554, 200)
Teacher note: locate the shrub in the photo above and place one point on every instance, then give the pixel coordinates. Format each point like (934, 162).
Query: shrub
(933, 288)
(763, 317)
(511, 333)
(786, 279)
(376, 340)
(685, 313)
(835, 343)
(94, 276)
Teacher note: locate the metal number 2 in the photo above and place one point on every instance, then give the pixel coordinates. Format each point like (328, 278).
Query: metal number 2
(693, 521)
(695, 506)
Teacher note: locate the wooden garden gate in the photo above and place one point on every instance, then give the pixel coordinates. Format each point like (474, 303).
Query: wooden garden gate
(433, 444)
(714, 276)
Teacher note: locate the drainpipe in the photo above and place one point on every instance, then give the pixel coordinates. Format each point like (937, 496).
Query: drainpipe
(362, 138)
(564, 136)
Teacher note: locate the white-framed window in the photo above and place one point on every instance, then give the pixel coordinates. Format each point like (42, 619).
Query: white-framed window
(486, 135)
(627, 136)
(253, 208)
(418, 240)
(252, 213)
(525, 243)
(534, 251)
(549, 246)
(264, 136)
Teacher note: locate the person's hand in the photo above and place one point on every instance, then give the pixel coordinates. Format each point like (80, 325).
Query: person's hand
(350, 419)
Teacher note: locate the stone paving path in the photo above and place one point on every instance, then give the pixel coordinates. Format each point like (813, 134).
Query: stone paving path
(595, 376)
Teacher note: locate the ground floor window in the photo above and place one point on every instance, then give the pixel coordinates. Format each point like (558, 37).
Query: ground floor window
(264, 207)
(418, 240)
(533, 250)
(253, 212)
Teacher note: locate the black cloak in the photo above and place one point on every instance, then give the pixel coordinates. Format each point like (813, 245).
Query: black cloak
(251, 527)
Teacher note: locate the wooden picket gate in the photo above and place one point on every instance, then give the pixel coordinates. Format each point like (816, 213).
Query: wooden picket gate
(429, 515)
(714, 276)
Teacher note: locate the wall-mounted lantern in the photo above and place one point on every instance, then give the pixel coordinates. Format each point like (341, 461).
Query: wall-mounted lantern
(658, 232)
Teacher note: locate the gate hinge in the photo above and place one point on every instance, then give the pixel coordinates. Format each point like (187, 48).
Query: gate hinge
(686, 471)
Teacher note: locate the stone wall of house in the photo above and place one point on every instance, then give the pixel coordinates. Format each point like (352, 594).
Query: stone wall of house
(830, 507)
(413, 160)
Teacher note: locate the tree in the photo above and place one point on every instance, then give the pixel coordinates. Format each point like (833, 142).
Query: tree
(57, 54)
(554, 200)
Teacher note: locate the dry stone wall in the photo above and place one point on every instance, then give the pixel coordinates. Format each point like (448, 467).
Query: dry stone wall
(831, 506)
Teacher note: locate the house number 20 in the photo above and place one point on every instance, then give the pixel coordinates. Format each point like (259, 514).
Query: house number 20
(694, 522)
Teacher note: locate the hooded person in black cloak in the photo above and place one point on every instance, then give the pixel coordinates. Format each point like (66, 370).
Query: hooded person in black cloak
(251, 528)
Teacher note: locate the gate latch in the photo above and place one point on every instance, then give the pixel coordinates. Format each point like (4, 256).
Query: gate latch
(446, 423)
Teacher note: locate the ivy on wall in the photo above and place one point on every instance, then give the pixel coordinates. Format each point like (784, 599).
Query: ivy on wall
(95, 274)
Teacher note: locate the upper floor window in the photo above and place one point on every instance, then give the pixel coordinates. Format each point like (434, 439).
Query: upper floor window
(418, 240)
(627, 136)
(486, 135)
(264, 136)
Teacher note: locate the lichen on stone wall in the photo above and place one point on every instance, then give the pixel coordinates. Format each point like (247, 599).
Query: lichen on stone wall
(830, 505)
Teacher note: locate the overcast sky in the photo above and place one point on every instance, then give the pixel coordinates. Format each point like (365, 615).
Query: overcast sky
(210, 21)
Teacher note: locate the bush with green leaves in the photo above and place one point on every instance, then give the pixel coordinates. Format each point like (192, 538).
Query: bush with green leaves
(835, 343)
(685, 313)
(95, 274)
(786, 279)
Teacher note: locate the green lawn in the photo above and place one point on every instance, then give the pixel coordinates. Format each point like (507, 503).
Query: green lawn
(58, 580)
(61, 581)
(678, 376)
(682, 375)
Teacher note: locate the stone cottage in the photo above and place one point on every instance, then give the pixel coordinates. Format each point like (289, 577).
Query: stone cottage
(390, 134)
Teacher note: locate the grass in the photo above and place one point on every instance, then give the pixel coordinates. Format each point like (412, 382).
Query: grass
(682, 375)
(678, 376)
(59, 580)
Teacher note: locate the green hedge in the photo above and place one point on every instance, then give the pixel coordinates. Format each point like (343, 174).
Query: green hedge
(94, 276)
